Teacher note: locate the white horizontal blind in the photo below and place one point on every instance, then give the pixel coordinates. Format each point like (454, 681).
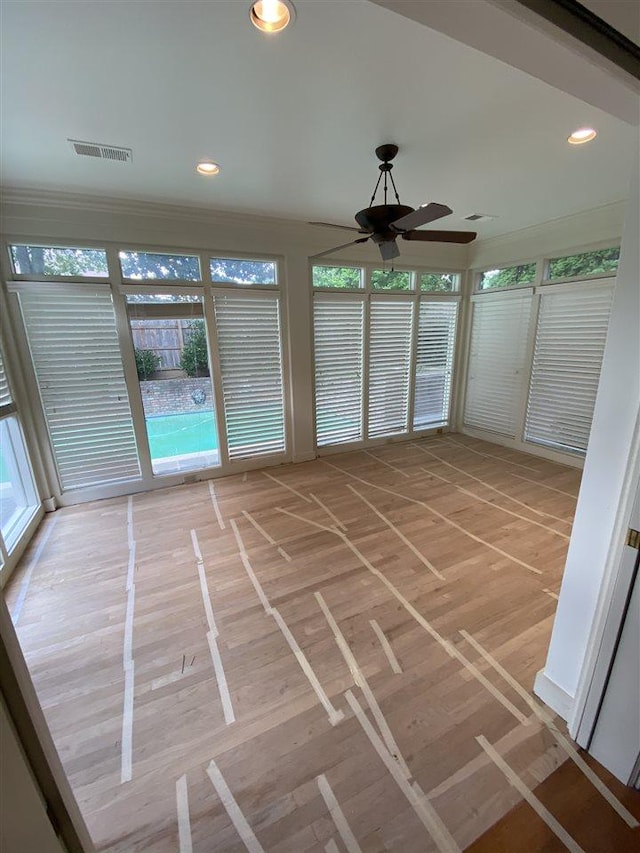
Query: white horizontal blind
(338, 327)
(75, 352)
(497, 362)
(570, 340)
(5, 393)
(250, 350)
(434, 363)
(389, 366)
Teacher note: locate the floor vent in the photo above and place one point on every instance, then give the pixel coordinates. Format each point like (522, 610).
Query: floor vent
(103, 152)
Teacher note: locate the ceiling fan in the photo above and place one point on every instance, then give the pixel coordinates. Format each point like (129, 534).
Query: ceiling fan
(384, 223)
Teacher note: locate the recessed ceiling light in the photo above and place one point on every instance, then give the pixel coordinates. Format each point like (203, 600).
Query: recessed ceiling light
(272, 16)
(582, 135)
(207, 167)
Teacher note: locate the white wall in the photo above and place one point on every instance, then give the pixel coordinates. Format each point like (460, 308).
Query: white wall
(24, 825)
(597, 539)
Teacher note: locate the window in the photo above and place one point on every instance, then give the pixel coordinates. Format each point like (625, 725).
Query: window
(235, 271)
(76, 357)
(155, 266)
(339, 346)
(391, 280)
(383, 357)
(250, 351)
(496, 381)
(570, 340)
(337, 277)
(18, 498)
(507, 276)
(434, 363)
(58, 261)
(439, 282)
(600, 262)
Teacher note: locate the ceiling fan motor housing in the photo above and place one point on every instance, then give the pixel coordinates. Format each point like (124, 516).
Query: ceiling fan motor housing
(377, 220)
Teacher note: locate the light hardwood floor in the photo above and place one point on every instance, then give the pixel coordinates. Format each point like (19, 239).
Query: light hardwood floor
(220, 658)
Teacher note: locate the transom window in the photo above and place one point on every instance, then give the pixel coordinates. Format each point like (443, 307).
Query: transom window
(141, 266)
(69, 261)
(507, 276)
(247, 272)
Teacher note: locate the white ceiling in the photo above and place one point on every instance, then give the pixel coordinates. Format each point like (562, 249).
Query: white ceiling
(292, 119)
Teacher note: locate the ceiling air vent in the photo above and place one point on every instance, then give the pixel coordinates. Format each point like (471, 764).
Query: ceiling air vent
(103, 152)
(479, 217)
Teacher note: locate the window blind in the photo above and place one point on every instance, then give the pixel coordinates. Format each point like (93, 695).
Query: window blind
(434, 363)
(5, 393)
(389, 366)
(76, 356)
(497, 362)
(250, 350)
(338, 328)
(570, 340)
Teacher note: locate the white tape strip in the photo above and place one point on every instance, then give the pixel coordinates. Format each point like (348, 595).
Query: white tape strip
(386, 464)
(541, 810)
(551, 594)
(260, 529)
(446, 645)
(233, 810)
(249, 570)
(544, 716)
(334, 715)
(289, 488)
(495, 505)
(184, 823)
(489, 486)
(361, 682)
(438, 514)
(245, 477)
(426, 813)
(335, 520)
(223, 689)
(340, 821)
(132, 565)
(331, 847)
(127, 653)
(307, 520)
(284, 554)
(32, 564)
(216, 508)
(450, 438)
(130, 520)
(126, 745)
(386, 647)
(196, 546)
(206, 600)
(425, 562)
(544, 486)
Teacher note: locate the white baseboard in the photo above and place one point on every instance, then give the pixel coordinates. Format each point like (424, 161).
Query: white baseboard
(553, 695)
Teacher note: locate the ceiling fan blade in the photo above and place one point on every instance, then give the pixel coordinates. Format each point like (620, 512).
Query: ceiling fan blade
(441, 236)
(332, 225)
(337, 248)
(389, 250)
(421, 216)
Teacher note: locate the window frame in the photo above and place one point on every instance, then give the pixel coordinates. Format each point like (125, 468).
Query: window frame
(58, 244)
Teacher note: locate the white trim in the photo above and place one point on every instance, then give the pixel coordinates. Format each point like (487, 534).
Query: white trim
(553, 695)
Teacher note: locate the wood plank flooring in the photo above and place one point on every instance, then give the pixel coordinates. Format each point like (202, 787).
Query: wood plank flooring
(202, 653)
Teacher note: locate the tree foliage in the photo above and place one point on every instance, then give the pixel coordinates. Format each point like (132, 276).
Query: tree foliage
(587, 263)
(337, 278)
(44, 260)
(390, 280)
(147, 362)
(195, 358)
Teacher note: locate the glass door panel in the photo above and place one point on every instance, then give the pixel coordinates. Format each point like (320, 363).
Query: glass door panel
(172, 360)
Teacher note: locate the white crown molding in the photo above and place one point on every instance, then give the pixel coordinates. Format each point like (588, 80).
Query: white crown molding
(132, 207)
